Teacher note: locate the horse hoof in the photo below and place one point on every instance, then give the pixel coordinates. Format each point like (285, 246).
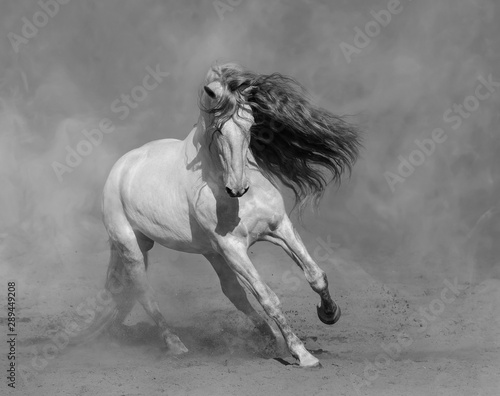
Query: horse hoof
(310, 364)
(331, 318)
(174, 344)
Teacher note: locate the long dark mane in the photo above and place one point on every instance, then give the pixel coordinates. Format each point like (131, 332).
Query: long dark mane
(293, 140)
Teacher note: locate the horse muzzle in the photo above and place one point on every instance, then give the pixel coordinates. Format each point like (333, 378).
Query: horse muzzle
(234, 193)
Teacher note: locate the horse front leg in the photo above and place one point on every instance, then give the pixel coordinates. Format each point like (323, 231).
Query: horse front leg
(233, 290)
(287, 237)
(235, 253)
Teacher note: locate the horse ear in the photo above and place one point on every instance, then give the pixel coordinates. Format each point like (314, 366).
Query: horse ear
(247, 90)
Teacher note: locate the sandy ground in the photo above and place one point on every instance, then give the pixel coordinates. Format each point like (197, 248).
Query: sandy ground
(382, 345)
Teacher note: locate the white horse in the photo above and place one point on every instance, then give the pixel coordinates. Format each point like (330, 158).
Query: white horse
(215, 193)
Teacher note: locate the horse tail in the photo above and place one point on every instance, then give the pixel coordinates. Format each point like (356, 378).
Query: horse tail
(102, 311)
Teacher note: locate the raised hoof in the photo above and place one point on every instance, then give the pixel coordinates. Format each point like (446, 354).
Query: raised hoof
(174, 344)
(329, 319)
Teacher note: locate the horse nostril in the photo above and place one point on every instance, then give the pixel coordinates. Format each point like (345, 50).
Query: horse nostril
(230, 192)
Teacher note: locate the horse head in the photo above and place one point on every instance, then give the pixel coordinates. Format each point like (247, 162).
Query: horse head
(228, 120)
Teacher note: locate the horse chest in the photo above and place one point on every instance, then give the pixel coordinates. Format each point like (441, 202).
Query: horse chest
(248, 217)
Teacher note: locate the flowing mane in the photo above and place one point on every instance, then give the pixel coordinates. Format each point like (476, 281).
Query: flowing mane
(292, 140)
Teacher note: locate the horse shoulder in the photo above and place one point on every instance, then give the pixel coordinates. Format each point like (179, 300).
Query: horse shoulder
(269, 202)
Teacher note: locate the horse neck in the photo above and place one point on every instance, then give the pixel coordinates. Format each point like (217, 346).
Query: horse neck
(197, 146)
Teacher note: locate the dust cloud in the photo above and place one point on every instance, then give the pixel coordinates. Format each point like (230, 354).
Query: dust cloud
(70, 76)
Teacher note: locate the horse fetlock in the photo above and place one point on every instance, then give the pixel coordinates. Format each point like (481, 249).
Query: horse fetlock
(320, 283)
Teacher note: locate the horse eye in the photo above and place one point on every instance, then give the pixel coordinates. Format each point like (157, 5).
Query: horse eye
(209, 92)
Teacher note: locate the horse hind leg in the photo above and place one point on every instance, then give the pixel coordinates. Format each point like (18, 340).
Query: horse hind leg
(132, 254)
